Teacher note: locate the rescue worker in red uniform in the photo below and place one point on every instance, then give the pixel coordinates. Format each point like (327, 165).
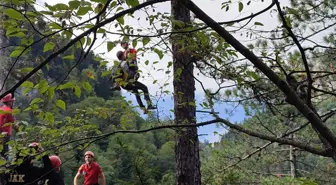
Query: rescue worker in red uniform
(6, 121)
(90, 170)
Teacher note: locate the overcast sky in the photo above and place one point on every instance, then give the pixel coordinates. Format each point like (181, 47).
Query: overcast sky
(212, 8)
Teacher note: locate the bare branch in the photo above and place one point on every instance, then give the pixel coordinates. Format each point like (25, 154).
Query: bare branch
(303, 55)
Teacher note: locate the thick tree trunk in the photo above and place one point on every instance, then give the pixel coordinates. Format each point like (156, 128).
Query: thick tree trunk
(3, 54)
(187, 144)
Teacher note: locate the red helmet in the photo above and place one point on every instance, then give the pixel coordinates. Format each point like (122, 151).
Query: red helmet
(89, 153)
(8, 98)
(55, 161)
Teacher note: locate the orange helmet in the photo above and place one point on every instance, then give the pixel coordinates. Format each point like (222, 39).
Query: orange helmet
(9, 97)
(55, 161)
(89, 153)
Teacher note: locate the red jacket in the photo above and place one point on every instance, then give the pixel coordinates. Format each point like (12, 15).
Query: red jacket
(91, 174)
(6, 116)
(131, 51)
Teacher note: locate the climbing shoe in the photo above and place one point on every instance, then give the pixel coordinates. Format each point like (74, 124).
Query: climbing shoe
(151, 107)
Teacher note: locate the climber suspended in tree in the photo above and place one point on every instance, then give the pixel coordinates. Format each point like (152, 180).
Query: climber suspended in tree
(128, 65)
(126, 76)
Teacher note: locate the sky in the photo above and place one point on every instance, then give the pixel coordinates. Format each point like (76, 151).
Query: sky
(165, 104)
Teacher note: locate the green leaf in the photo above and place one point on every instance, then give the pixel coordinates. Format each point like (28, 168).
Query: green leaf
(51, 93)
(145, 40)
(16, 2)
(16, 53)
(48, 46)
(105, 73)
(134, 43)
(54, 25)
(258, 24)
(113, 4)
(170, 63)
(74, 4)
(61, 6)
(27, 84)
(158, 52)
(110, 46)
(67, 85)
(101, 30)
(60, 104)
(240, 6)
(78, 91)
(88, 41)
(42, 86)
(147, 62)
(86, 85)
(13, 14)
(193, 104)
(47, 12)
(228, 92)
(12, 31)
(69, 57)
(121, 20)
(36, 100)
(19, 34)
(26, 70)
(43, 89)
(49, 117)
(99, 1)
(288, 21)
(132, 3)
(83, 10)
(252, 74)
(179, 71)
(26, 90)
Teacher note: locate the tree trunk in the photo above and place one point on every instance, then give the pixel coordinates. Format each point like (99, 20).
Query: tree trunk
(3, 54)
(292, 158)
(187, 144)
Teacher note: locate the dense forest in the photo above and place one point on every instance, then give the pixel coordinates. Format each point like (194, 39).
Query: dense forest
(284, 78)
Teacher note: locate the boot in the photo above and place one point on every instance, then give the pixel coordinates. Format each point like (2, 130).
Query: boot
(150, 106)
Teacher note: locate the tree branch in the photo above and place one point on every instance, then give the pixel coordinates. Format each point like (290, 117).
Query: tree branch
(282, 85)
(198, 29)
(302, 51)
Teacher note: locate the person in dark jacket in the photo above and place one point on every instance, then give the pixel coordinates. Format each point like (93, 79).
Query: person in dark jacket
(28, 174)
(54, 177)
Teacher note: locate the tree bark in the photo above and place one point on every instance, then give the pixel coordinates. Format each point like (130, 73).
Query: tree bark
(187, 144)
(3, 55)
(292, 158)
